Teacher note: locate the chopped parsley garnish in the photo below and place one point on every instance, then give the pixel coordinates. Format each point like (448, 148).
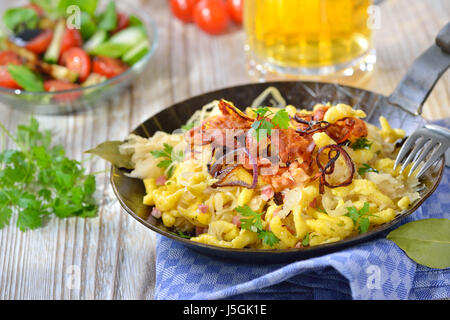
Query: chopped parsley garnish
(261, 111)
(360, 217)
(188, 126)
(305, 241)
(252, 221)
(181, 235)
(281, 119)
(265, 124)
(366, 168)
(322, 210)
(172, 158)
(38, 180)
(268, 237)
(361, 143)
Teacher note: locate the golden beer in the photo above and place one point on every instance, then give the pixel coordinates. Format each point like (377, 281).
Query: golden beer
(315, 36)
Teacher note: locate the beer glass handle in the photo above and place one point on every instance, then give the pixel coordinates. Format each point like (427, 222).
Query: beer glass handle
(415, 87)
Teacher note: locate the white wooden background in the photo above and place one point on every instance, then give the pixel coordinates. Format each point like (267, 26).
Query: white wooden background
(114, 254)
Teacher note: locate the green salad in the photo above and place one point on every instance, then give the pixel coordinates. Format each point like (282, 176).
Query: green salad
(54, 45)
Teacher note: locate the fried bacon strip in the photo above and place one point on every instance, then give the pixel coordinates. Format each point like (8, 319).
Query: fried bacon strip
(213, 130)
(294, 148)
(347, 129)
(319, 113)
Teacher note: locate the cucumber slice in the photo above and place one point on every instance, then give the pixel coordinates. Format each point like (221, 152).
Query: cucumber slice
(136, 53)
(98, 38)
(129, 36)
(110, 49)
(52, 53)
(120, 43)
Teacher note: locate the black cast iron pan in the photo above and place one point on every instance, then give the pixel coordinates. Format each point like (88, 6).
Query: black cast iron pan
(402, 108)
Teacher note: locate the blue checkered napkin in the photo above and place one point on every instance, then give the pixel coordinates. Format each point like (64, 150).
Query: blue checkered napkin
(374, 270)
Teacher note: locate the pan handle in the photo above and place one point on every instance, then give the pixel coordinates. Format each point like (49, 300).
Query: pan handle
(419, 81)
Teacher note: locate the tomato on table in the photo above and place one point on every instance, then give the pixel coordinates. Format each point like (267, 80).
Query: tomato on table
(76, 59)
(235, 9)
(72, 38)
(6, 80)
(41, 42)
(9, 56)
(183, 9)
(123, 21)
(60, 85)
(108, 67)
(211, 16)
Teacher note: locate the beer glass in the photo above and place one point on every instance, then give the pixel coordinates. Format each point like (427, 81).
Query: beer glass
(310, 37)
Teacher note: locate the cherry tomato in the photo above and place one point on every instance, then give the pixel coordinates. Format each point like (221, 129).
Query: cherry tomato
(211, 16)
(72, 38)
(6, 80)
(122, 22)
(235, 8)
(36, 8)
(60, 85)
(183, 9)
(76, 59)
(41, 42)
(9, 56)
(108, 67)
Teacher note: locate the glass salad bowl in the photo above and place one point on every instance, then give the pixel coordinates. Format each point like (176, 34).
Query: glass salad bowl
(86, 96)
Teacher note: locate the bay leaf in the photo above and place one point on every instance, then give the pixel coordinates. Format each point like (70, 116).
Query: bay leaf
(109, 151)
(427, 241)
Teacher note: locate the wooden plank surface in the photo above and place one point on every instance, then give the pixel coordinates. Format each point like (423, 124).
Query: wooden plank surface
(114, 255)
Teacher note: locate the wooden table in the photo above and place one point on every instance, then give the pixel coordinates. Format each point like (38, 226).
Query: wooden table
(113, 255)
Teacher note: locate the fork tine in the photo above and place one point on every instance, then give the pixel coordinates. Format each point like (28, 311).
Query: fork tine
(405, 148)
(434, 157)
(414, 152)
(423, 153)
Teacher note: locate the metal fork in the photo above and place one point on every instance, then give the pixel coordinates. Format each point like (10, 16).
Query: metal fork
(428, 143)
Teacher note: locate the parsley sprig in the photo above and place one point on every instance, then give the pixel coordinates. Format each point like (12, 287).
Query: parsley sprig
(305, 241)
(252, 221)
(181, 234)
(38, 180)
(265, 125)
(268, 237)
(366, 168)
(189, 126)
(360, 217)
(171, 158)
(361, 143)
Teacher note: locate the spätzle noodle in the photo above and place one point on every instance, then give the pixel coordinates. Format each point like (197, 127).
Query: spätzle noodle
(292, 206)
